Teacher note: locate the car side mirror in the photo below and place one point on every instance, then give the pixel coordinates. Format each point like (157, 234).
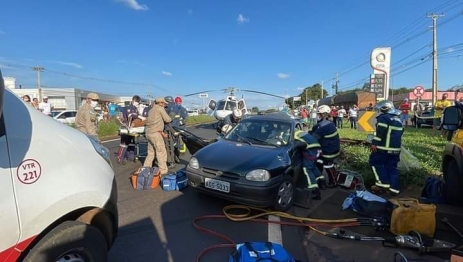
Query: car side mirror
(370, 138)
(2, 91)
(451, 118)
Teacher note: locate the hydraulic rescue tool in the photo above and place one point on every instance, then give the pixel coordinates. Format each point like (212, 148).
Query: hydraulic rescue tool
(413, 240)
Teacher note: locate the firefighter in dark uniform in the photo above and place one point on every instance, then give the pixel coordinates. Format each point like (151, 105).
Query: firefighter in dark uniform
(180, 115)
(231, 120)
(327, 135)
(310, 154)
(385, 148)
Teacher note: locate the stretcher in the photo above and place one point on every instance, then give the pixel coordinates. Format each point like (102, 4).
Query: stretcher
(132, 135)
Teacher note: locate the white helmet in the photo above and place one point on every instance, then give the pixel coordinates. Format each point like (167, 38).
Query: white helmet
(324, 109)
(237, 113)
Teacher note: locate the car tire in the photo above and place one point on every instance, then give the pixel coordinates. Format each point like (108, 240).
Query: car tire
(70, 241)
(453, 184)
(285, 195)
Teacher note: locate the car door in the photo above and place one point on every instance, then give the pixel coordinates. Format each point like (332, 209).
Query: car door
(71, 117)
(9, 225)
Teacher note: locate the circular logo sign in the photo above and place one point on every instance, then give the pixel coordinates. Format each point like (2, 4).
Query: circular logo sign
(29, 171)
(381, 57)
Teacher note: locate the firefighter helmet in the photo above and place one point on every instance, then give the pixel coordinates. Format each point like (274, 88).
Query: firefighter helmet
(178, 100)
(324, 109)
(169, 99)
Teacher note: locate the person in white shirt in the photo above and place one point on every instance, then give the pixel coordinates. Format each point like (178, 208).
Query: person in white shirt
(46, 107)
(353, 114)
(341, 113)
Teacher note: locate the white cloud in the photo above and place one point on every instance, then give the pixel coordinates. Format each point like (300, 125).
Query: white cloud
(166, 73)
(75, 65)
(282, 75)
(133, 4)
(2, 32)
(242, 19)
(131, 62)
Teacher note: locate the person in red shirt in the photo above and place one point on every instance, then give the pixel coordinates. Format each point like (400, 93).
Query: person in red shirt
(404, 107)
(334, 114)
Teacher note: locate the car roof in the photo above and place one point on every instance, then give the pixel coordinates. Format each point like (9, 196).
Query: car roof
(276, 116)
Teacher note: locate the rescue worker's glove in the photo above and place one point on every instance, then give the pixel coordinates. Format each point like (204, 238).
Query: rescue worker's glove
(373, 148)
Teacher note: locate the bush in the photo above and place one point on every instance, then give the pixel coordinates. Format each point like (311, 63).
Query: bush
(108, 128)
(420, 142)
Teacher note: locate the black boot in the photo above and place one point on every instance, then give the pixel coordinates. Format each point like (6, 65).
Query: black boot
(316, 194)
(321, 184)
(302, 198)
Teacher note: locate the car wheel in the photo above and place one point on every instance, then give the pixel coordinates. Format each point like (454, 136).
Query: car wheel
(453, 185)
(70, 241)
(285, 195)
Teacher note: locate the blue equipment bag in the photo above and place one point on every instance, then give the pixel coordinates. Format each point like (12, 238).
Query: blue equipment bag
(175, 182)
(433, 191)
(182, 180)
(169, 182)
(260, 251)
(145, 178)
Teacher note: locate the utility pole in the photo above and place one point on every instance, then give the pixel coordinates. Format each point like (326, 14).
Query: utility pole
(434, 18)
(39, 69)
(322, 91)
(336, 84)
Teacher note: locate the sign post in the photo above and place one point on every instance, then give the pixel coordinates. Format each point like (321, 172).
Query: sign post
(203, 96)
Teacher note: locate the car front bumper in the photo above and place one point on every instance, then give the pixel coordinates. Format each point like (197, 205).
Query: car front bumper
(243, 191)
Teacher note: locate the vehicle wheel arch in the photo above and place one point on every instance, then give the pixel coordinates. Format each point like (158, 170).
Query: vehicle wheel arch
(93, 216)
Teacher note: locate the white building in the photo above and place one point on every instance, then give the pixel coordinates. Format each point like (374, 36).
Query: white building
(63, 98)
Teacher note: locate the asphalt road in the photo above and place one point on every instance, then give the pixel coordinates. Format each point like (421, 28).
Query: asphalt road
(158, 226)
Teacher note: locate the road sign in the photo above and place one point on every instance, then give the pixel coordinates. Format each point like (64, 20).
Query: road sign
(203, 95)
(377, 84)
(418, 91)
(367, 121)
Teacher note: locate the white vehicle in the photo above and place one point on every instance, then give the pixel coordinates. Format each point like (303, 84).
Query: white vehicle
(65, 117)
(58, 196)
(193, 112)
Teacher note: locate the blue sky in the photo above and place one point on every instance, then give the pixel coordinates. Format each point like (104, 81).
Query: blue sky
(179, 47)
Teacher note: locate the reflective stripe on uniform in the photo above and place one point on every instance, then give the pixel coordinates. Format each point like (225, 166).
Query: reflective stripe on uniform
(331, 135)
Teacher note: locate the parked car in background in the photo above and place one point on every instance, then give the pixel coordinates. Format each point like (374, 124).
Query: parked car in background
(257, 163)
(426, 119)
(193, 112)
(65, 117)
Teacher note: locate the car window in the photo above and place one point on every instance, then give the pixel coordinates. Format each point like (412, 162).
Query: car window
(260, 132)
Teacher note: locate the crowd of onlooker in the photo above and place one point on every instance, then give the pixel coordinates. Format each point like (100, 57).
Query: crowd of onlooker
(44, 106)
(412, 114)
(338, 115)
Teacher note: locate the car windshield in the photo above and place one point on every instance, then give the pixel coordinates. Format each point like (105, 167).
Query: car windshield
(259, 132)
(53, 114)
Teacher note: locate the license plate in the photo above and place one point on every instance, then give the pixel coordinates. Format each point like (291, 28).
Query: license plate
(217, 185)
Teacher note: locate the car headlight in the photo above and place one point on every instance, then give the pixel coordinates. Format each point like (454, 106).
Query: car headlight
(103, 151)
(194, 163)
(261, 175)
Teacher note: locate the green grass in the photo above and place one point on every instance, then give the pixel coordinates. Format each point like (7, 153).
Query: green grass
(193, 120)
(419, 142)
(108, 128)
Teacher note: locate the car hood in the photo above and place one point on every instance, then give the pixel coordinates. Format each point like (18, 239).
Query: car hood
(241, 158)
